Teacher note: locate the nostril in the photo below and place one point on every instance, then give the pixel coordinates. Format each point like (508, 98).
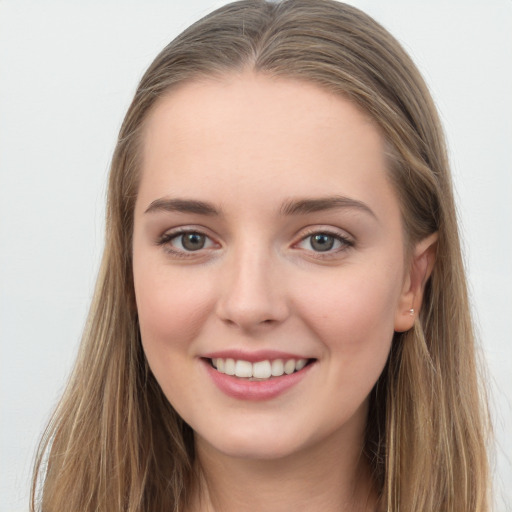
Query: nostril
(245, 322)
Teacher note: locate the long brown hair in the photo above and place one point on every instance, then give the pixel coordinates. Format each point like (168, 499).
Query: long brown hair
(115, 443)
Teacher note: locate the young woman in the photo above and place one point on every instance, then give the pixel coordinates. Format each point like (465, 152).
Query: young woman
(281, 319)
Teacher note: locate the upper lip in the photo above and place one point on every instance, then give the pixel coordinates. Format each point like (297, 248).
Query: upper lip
(253, 355)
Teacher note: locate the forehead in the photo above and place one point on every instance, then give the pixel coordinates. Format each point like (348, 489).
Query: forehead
(261, 134)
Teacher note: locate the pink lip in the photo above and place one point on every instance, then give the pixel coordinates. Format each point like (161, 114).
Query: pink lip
(243, 389)
(253, 356)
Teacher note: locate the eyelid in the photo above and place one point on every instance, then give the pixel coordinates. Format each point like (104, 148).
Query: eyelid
(166, 238)
(343, 237)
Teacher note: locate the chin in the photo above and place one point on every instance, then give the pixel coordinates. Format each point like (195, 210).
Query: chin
(257, 443)
(256, 450)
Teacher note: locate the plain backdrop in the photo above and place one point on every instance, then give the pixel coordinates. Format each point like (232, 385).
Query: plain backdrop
(68, 70)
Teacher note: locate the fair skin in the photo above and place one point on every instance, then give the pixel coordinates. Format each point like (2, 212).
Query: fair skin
(266, 228)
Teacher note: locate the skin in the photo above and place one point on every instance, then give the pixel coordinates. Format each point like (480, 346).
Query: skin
(247, 144)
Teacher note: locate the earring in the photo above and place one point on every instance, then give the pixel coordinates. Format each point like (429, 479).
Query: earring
(411, 311)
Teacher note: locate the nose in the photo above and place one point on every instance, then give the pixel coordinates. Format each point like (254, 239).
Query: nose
(251, 290)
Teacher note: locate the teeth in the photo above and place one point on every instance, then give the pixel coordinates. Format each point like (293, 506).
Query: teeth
(259, 370)
(243, 369)
(229, 366)
(277, 367)
(289, 366)
(300, 364)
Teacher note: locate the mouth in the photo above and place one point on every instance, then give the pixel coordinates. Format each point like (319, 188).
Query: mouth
(258, 371)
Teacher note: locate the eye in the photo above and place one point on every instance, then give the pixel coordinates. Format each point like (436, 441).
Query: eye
(324, 242)
(186, 241)
(190, 241)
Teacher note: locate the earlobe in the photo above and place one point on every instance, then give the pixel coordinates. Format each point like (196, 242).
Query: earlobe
(420, 269)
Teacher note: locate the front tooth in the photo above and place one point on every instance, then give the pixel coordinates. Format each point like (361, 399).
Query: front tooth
(229, 367)
(221, 365)
(289, 366)
(261, 370)
(214, 362)
(300, 364)
(243, 369)
(277, 368)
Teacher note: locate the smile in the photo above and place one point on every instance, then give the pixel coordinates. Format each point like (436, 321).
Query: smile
(260, 370)
(259, 379)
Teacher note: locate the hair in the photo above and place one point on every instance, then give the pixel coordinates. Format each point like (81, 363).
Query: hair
(115, 443)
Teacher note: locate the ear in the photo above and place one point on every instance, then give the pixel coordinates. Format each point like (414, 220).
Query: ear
(420, 268)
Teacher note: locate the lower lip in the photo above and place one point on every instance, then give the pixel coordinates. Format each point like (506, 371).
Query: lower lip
(255, 390)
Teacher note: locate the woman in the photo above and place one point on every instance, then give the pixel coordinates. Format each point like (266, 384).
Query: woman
(281, 319)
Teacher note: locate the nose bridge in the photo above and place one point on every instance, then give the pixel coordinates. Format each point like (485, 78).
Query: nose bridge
(251, 294)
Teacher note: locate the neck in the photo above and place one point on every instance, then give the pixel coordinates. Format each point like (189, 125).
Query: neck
(333, 476)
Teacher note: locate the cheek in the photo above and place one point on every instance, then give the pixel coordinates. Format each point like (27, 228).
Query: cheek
(171, 311)
(353, 312)
(353, 318)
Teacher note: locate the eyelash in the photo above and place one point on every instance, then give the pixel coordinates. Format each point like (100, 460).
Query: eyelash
(345, 243)
(166, 239)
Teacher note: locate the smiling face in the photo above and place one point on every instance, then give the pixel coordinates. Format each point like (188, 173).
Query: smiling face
(267, 242)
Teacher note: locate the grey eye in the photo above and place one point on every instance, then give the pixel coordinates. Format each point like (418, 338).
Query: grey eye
(322, 242)
(186, 241)
(192, 241)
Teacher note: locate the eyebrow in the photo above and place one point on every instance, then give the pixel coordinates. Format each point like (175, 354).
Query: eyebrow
(182, 205)
(311, 205)
(291, 207)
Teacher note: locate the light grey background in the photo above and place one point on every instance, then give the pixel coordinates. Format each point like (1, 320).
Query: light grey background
(68, 70)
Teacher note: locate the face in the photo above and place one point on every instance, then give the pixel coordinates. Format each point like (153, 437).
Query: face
(268, 243)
